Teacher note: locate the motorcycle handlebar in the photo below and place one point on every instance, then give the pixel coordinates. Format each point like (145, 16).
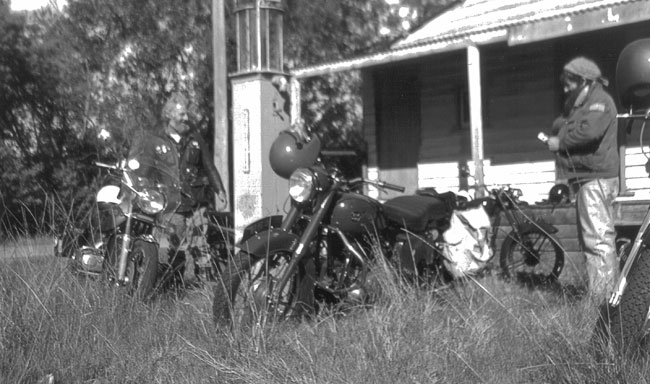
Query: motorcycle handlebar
(394, 187)
(337, 153)
(377, 183)
(104, 165)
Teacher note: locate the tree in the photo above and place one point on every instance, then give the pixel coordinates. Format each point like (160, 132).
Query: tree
(111, 64)
(318, 32)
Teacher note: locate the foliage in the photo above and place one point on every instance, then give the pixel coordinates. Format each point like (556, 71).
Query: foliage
(320, 32)
(37, 117)
(111, 64)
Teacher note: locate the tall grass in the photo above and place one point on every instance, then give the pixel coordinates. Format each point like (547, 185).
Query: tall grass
(481, 331)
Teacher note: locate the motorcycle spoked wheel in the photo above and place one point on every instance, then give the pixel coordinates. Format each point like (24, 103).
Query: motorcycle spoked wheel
(535, 258)
(141, 267)
(243, 296)
(625, 327)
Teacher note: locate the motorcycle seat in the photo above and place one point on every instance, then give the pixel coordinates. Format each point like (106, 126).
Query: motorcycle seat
(416, 211)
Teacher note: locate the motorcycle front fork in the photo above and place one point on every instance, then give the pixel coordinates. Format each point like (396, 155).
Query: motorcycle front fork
(641, 237)
(125, 249)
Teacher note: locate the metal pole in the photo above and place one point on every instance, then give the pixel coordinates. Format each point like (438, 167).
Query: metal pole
(221, 137)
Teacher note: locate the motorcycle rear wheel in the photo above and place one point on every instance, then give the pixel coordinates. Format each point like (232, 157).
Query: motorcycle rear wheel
(243, 295)
(141, 267)
(625, 326)
(536, 257)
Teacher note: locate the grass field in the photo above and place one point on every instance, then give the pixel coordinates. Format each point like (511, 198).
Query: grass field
(484, 331)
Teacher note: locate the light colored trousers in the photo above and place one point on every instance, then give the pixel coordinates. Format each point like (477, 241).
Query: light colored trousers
(597, 234)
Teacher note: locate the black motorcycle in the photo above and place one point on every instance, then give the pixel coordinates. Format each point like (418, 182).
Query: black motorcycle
(324, 249)
(117, 240)
(623, 321)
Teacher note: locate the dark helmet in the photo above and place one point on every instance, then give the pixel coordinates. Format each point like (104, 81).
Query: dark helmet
(291, 150)
(558, 194)
(633, 75)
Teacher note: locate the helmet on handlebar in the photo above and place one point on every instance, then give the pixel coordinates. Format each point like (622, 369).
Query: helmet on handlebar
(291, 150)
(558, 194)
(633, 75)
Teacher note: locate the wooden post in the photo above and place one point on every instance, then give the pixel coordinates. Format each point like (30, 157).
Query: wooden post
(221, 152)
(476, 115)
(295, 99)
(622, 146)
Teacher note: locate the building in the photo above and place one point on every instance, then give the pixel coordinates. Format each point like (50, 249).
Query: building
(475, 85)
(478, 82)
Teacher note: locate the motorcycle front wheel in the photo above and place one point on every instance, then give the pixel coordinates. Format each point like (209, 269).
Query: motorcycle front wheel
(243, 296)
(534, 256)
(625, 326)
(141, 267)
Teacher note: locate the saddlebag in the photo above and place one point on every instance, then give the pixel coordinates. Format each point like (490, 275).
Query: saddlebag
(467, 242)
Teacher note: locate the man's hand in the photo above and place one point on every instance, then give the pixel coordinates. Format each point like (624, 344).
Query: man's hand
(553, 143)
(222, 201)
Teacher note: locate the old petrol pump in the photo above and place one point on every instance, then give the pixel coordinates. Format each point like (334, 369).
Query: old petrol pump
(258, 109)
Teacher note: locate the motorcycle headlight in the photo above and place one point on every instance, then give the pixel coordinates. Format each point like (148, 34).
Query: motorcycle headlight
(133, 164)
(302, 185)
(151, 201)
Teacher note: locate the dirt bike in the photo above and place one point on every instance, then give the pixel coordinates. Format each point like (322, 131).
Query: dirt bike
(529, 252)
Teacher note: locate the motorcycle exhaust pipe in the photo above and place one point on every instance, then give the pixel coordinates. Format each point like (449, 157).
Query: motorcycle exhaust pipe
(123, 258)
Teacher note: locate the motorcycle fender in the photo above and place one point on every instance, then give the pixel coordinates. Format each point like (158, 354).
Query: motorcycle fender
(546, 227)
(269, 241)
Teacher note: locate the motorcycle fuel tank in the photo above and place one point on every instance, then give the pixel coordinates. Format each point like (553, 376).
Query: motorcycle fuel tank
(356, 214)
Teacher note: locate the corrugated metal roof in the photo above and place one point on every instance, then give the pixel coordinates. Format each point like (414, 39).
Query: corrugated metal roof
(479, 22)
(480, 16)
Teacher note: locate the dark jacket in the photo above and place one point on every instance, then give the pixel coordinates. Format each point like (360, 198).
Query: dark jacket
(199, 176)
(185, 166)
(588, 138)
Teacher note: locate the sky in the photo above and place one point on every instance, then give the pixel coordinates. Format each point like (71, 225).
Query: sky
(30, 5)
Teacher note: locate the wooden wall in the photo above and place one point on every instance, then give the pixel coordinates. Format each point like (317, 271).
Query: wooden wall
(518, 86)
(415, 122)
(398, 122)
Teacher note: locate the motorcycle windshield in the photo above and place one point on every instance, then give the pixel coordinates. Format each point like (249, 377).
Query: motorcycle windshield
(154, 160)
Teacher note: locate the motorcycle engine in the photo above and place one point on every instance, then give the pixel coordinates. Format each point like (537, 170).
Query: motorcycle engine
(412, 252)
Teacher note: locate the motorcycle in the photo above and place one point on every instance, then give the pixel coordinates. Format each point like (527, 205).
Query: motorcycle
(623, 320)
(529, 252)
(120, 244)
(117, 242)
(325, 249)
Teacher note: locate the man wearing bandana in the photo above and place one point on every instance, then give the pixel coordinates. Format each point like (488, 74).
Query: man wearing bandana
(585, 144)
(180, 159)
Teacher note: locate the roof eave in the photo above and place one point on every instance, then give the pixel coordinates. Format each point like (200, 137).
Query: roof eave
(519, 32)
(404, 53)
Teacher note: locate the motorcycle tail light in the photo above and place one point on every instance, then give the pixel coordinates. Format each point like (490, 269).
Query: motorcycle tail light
(151, 201)
(302, 185)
